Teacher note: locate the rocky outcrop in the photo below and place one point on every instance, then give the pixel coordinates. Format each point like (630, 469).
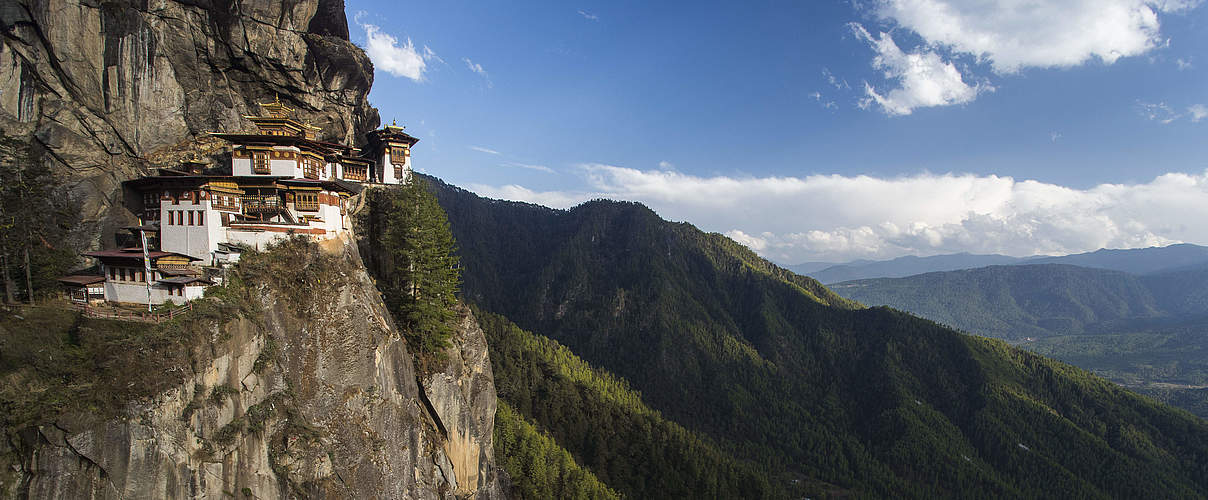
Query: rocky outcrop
(106, 90)
(462, 395)
(315, 397)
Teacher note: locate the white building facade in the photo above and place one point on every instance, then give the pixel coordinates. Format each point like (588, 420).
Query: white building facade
(281, 182)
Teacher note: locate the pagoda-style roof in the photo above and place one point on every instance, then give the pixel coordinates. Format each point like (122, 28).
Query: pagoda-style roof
(276, 117)
(134, 253)
(283, 140)
(275, 109)
(332, 184)
(390, 133)
(184, 280)
(82, 279)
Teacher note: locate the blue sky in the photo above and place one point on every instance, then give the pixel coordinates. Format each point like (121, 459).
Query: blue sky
(816, 130)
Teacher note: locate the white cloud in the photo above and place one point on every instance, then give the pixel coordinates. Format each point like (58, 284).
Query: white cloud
(556, 199)
(399, 60)
(539, 168)
(834, 217)
(1157, 112)
(924, 78)
(481, 149)
(835, 81)
(588, 15)
(666, 165)
(1197, 112)
(477, 68)
(1054, 135)
(1183, 63)
(1015, 34)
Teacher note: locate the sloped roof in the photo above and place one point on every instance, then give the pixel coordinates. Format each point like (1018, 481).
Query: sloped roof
(184, 280)
(82, 279)
(135, 253)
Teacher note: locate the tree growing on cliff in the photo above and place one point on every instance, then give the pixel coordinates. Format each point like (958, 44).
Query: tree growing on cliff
(36, 216)
(426, 276)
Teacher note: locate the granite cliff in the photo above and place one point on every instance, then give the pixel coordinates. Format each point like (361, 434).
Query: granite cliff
(106, 90)
(276, 391)
(307, 389)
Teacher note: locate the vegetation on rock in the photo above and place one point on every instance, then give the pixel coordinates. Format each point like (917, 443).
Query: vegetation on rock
(36, 216)
(413, 256)
(604, 424)
(540, 469)
(778, 371)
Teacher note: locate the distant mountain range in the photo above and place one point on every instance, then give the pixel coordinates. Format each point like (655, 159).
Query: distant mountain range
(1146, 331)
(1038, 300)
(672, 363)
(1137, 261)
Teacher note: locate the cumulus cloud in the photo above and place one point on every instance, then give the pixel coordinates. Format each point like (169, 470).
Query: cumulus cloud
(834, 217)
(398, 60)
(1014, 34)
(1006, 35)
(924, 78)
(1197, 112)
(513, 192)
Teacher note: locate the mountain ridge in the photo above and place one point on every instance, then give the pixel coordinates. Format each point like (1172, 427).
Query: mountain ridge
(1134, 260)
(871, 400)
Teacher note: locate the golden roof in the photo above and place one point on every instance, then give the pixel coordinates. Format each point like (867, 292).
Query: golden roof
(275, 109)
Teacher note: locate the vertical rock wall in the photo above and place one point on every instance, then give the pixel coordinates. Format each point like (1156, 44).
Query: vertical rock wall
(321, 400)
(106, 90)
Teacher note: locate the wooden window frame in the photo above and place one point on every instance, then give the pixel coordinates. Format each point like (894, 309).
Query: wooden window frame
(261, 164)
(311, 167)
(306, 202)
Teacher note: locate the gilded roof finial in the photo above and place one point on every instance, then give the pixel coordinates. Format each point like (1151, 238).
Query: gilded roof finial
(394, 122)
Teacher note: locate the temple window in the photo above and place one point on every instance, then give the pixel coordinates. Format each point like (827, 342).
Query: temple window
(306, 201)
(310, 167)
(260, 163)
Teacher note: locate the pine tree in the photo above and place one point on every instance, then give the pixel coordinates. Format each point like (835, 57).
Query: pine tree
(426, 274)
(36, 217)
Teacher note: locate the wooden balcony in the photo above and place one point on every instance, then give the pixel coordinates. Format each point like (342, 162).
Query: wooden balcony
(261, 203)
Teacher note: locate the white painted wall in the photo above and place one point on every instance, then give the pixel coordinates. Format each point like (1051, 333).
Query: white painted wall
(276, 166)
(192, 240)
(241, 166)
(387, 169)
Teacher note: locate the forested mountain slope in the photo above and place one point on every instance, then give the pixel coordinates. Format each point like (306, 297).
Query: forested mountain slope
(902, 266)
(1013, 302)
(1146, 332)
(780, 372)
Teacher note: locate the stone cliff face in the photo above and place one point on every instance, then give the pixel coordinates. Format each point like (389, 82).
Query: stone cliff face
(315, 397)
(107, 89)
